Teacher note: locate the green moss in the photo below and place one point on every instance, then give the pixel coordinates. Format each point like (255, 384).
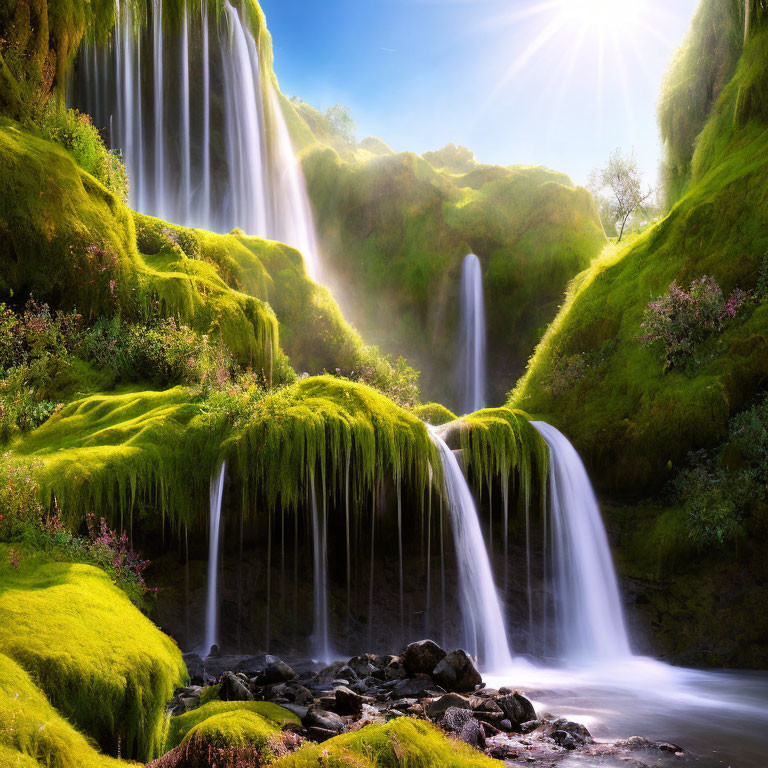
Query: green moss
(105, 452)
(318, 425)
(434, 413)
(231, 723)
(501, 443)
(401, 743)
(633, 422)
(33, 734)
(101, 663)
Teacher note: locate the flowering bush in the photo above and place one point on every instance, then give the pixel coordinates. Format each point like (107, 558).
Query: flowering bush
(682, 319)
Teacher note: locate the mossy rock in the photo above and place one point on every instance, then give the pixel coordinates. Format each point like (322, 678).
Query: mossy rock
(401, 742)
(102, 664)
(231, 723)
(434, 414)
(33, 734)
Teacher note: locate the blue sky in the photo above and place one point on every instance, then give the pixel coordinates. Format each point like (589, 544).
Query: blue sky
(552, 82)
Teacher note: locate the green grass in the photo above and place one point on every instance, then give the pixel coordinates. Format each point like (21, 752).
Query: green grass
(401, 743)
(102, 664)
(231, 723)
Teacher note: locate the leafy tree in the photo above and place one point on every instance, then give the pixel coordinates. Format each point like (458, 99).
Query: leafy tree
(341, 122)
(619, 186)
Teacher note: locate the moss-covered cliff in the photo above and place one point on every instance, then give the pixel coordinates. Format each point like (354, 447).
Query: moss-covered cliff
(394, 229)
(633, 419)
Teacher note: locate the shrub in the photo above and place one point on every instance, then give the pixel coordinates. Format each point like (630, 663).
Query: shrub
(680, 320)
(719, 490)
(76, 133)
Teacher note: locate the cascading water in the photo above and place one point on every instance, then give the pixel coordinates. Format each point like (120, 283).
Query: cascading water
(217, 155)
(472, 335)
(211, 636)
(590, 619)
(481, 611)
(321, 646)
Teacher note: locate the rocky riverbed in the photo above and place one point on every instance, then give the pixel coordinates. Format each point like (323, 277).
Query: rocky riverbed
(423, 681)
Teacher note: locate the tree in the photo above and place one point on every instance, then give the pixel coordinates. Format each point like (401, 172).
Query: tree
(620, 186)
(341, 122)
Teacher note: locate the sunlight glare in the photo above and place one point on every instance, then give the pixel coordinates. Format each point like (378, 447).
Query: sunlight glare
(613, 17)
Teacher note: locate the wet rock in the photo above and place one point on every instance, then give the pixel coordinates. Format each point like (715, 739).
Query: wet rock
(363, 666)
(422, 657)
(566, 740)
(577, 731)
(336, 671)
(292, 691)
(638, 742)
(457, 672)
(234, 688)
(348, 702)
(394, 669)
(417, 686)
(300, 711)
(435, 709)
(517, 709)
(464, 726)
(321, 719)
(196, 669)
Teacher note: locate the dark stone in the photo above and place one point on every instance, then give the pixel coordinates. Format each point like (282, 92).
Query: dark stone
(348, 702)
(395, 669)
(506, 725)
(578, 731)
(565, 740)
(323, 720)
(300, 711)
(435, 708)
(464, 726)
(326, 676)
(422, 657)
(292, 691)
(266, 669)
(417, 686)
(457, 672)
(517, 709)
(363, 666)
(196, 669)
(234, 689)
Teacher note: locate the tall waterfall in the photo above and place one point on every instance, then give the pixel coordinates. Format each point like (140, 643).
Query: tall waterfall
(472, 369)
(590, 619)
(481, 610)
(199, 122)
(211, 636)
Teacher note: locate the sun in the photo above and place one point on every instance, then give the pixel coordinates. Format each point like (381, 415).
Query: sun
(614, 17)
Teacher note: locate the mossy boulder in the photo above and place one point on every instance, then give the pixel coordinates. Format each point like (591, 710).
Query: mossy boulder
(33, 733)
(102, 664)
(401, 742)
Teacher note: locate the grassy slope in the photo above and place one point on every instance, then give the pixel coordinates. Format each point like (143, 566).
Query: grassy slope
(395, 227)
(99, 661)
(633, 423)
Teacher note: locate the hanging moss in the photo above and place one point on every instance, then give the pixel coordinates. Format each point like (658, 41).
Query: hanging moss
(104, 453)
(314, 425)
(500, 443)
(434, 414)
(101, 663)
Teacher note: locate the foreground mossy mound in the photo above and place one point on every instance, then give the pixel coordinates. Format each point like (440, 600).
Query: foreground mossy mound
(397, 228)
(402, 742)
(241, 722)
(102, 664)
(33, 734)
(591, 377)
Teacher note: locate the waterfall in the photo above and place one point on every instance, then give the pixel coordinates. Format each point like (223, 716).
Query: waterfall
(321, 646)
(480, 607)
(216, 135)
(590, 620)
(472, 335)
(212, 599)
